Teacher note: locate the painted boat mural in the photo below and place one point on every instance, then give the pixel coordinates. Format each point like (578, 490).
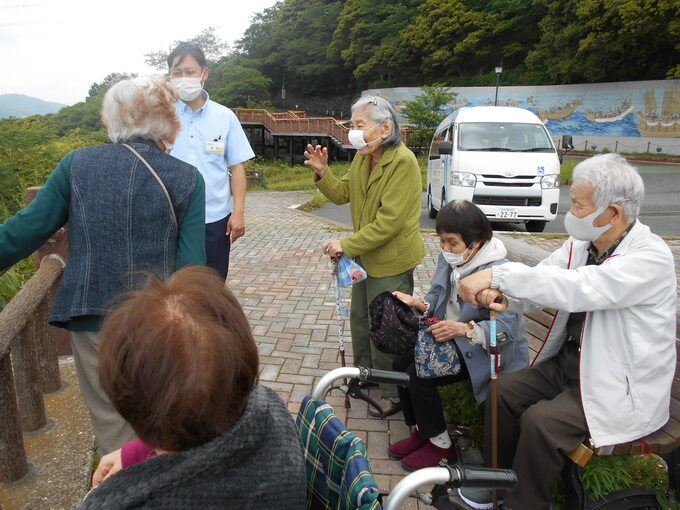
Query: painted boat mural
(626, 109)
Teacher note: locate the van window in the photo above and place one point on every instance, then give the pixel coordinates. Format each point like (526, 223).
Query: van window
(436, 140)
(496, 136)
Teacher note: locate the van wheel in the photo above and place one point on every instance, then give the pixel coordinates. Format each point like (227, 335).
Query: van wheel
(431, 211)
(536, 225)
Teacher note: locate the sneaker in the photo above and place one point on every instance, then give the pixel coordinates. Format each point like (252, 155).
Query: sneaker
(478, 498)
(430, 455)
(389, 407)
(407, 446)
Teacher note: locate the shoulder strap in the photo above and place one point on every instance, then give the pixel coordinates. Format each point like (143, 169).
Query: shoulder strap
(153, 172)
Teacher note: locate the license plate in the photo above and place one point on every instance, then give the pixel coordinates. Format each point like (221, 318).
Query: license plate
(506, 212)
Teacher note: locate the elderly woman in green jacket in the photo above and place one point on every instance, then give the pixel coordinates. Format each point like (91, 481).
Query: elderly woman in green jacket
(383, 188)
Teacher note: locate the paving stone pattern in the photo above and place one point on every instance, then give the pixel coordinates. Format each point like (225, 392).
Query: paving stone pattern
(283, 281)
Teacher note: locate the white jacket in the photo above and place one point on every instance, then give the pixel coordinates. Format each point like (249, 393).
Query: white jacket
(628, 343)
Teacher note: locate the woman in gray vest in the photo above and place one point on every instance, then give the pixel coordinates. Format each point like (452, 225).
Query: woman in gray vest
(467, 246)
(131, 209)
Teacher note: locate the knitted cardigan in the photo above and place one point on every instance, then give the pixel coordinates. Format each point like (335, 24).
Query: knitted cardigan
(258, 464)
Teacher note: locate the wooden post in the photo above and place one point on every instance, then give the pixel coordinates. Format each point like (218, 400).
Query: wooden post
(28, 380)
(290, 150)
(13, 462)
(43, 336)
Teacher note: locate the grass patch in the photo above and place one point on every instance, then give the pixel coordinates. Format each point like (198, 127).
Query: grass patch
(317, 200)
(567, 170)
(279, 176)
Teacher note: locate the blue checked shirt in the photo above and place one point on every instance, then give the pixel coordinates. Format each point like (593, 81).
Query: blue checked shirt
(212, 123)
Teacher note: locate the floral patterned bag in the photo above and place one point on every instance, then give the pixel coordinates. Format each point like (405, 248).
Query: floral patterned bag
(432, 358)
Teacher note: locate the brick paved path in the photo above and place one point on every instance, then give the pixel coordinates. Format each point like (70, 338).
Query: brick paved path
(282, 280)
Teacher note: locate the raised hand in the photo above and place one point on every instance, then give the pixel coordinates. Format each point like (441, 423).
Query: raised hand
(317, 158)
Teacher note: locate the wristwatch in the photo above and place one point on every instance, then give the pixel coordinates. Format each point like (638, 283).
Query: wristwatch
(471, 333)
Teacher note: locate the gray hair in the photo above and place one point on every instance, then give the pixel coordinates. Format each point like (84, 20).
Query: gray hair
(141, 107)
(381, 111)
(615, 181)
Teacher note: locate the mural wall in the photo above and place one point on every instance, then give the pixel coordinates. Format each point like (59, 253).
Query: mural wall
(625, 109)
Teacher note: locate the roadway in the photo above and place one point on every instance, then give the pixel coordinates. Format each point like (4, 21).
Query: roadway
(660, 209)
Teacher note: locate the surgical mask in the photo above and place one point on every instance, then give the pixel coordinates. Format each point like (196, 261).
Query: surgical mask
(455, 259)
(583, 228)
(188, 88)
(356, 138)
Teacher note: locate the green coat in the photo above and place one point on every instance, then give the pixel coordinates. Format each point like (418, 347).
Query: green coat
(385, 208)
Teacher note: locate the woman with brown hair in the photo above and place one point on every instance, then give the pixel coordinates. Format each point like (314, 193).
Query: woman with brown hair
(180, 364)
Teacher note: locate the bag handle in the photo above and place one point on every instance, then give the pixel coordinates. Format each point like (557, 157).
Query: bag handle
(153, 172)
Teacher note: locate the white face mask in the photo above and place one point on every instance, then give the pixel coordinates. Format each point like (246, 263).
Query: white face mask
(583, 228)
(356, 138)
(188, 88)
(455, 259)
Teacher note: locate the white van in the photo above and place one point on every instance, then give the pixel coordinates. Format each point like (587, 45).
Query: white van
(500, 158)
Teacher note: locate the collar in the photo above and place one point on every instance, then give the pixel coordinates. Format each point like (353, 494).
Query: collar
(184, 108)
(598, 259)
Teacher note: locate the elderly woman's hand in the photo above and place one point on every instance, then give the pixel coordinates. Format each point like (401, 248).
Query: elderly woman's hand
(493, 299)
(332, 248)
(317, 158)
(447, 330)
(418, 304)
(472, 285)
(108, 466)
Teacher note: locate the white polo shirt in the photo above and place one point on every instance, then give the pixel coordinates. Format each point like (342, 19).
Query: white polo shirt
(211, 139)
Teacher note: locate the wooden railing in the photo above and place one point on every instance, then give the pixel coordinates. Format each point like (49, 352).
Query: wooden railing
(29, 366)
(294, 122)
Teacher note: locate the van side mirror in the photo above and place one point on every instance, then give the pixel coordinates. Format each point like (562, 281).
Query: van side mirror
(566, 143)
(446, 148)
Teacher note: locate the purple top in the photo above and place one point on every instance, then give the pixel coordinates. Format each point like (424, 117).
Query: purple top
(135, 451)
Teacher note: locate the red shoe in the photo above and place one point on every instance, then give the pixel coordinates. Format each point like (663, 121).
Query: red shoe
(428, 456)
(407, 446)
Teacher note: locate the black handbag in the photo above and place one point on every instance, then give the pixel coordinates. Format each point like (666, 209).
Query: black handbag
(394, 324)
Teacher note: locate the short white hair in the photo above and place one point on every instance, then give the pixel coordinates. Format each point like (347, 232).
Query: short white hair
(381, 111)
(142, 107)
(615, 181)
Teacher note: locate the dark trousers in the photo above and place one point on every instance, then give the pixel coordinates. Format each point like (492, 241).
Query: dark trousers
(420, 402)
(217, 246)
(540, 420)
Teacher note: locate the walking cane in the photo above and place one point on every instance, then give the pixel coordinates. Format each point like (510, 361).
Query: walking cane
(494, 400)
(339, 313)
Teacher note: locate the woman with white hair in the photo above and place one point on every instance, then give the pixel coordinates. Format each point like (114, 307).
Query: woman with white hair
(131, 209)
(383, 188)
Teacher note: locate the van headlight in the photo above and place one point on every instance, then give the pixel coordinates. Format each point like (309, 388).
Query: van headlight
(550, 181)
(463, 179)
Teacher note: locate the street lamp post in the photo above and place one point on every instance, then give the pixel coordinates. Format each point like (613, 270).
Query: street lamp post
(499, 70)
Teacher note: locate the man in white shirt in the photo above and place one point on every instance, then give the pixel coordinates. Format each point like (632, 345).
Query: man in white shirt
(212, 140)
(606, 367)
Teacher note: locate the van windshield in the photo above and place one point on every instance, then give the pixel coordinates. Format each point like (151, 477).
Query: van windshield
(498, 136)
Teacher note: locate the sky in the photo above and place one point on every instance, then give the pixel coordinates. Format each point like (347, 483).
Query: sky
(56, 49)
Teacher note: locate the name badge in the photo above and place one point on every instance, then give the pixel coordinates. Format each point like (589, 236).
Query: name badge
(214, 147)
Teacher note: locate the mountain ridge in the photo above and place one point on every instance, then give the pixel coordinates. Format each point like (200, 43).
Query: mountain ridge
(21, 105)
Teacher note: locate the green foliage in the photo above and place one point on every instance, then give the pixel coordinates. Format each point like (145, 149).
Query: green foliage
(238, 82)
(603, 475)
(12, 280)
(462, 409)
(317, 200)
(567, 170)
(279, 176)
(425, 112)
(212, 45)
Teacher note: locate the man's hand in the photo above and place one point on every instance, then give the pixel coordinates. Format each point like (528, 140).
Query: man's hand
(236, 226)
(447, 330)
(109, 465)
(332, 248)
(493, 299)
(472, 285)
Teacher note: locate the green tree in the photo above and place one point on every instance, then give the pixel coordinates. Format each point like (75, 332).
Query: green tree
(426, 111)
(213, 47)
(238, 82)
(607, 40)
(369, 42)
(110, 79)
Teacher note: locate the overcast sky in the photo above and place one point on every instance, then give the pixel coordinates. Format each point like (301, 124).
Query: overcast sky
(55, 49)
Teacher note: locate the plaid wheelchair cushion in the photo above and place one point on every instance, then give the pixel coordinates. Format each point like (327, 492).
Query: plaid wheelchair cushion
(338, 473)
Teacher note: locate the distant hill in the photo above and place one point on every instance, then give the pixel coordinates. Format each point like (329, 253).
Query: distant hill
(19, 105)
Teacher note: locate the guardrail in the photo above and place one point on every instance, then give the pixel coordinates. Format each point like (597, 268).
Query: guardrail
(294, 122)
(29, 366)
